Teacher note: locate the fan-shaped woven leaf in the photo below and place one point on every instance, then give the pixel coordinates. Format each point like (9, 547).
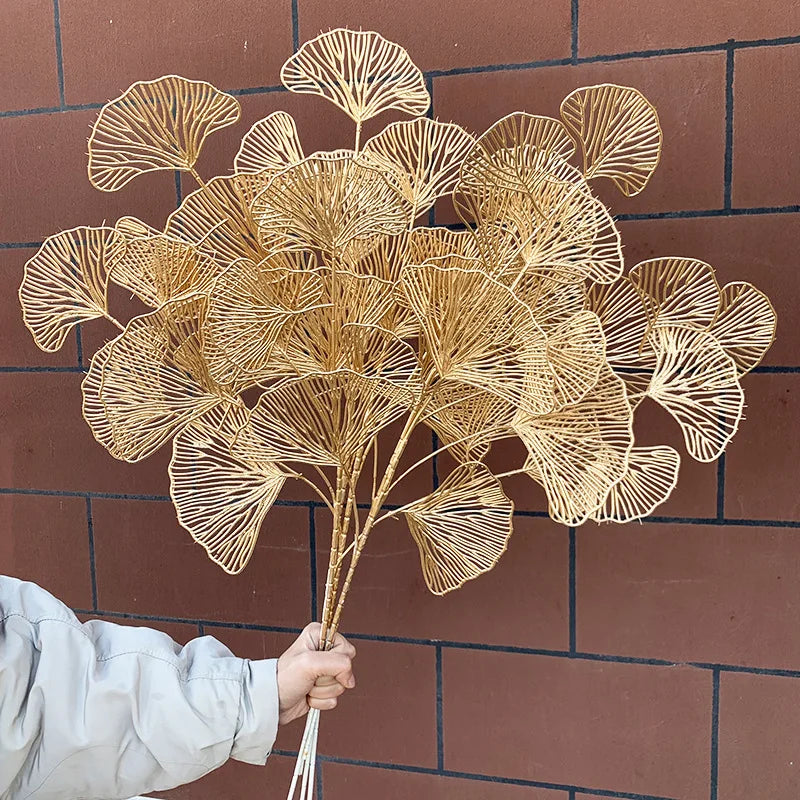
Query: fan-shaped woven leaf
(360, 72)
(697, 382)
(652, 475)
(424, 157)
(745, 325)
(65, 282)
(462, 528)
(677, 291)
(221, 495)
(619, 133)
(327, 202)
(270, 144)
(159, 268)
(216, 218)
(580, 452)
(155, 125)
(152, 380)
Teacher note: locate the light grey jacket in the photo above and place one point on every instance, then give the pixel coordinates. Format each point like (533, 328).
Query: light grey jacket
(106, 711)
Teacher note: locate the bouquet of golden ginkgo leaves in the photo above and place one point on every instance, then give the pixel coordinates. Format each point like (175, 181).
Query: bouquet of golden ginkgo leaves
(298, 309)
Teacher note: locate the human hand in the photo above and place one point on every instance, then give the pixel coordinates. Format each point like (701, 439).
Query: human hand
(310, 678)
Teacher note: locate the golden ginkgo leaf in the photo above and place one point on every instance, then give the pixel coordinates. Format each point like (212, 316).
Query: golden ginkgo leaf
(745, 325)
(65, 282)
(578, 453)
(320, 343)
(468, 419)
(155, 125)
(158, 268)
(94, 411)
(360, 72)
(324, 418)
(619, 133)
(576, 353)
(652, 475)
(221, 495)
(479, 333)
(249, 306)
(216, 218)
(517, 153)
(270, 144)
(327, 202)
(557, 224)
(629, 352)
(697, 382)
(153, 380)
(462, 528)
(423, 156)
(677, 291)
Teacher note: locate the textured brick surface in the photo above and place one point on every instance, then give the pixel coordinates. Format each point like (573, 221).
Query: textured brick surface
(458, 35)
(690, 593)
(759, 737)
(630, 25)
(712, 581)
(109, 44)
(617, 726)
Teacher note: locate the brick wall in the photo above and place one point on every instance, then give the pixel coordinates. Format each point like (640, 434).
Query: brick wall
(650, 661)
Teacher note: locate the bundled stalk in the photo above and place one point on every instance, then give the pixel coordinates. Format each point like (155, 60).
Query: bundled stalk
(297, 309)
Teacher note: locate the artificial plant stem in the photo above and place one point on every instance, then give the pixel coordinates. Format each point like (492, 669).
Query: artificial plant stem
(330, 589)
(378, 500)
(113, 321)
(358, 136)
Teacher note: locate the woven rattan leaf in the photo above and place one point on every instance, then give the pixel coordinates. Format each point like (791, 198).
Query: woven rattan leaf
(360, 72)
(65, 282)
(462, 528)
(155, 125)
(270, 144)
(221, 495)
(652, 475)
(619, 133)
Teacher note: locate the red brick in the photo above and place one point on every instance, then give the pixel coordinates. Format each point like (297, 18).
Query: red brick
(691, 171)
(763, 461)
(148, 564)
(17, 347)
(456, 34)
(343, 782)
(46, 540)
(628, 25)
(620, 727)
(109, 44)
(180, 632)
(759, 737)
(44, 187)
(28, 52)
(391, 714)
(235, 780)
(49, 446)
(689, 593)
(389, 595)
(766, 118)
(760, 249)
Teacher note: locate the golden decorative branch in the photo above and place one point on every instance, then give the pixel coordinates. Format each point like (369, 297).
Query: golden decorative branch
(298, 309)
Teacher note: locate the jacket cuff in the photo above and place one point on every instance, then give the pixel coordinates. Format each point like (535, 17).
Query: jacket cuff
(258, 712)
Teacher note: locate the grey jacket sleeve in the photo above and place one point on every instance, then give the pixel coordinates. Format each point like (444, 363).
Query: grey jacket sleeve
(106, 711)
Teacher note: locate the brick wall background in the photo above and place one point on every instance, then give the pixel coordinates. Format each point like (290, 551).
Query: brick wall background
(649, 661)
